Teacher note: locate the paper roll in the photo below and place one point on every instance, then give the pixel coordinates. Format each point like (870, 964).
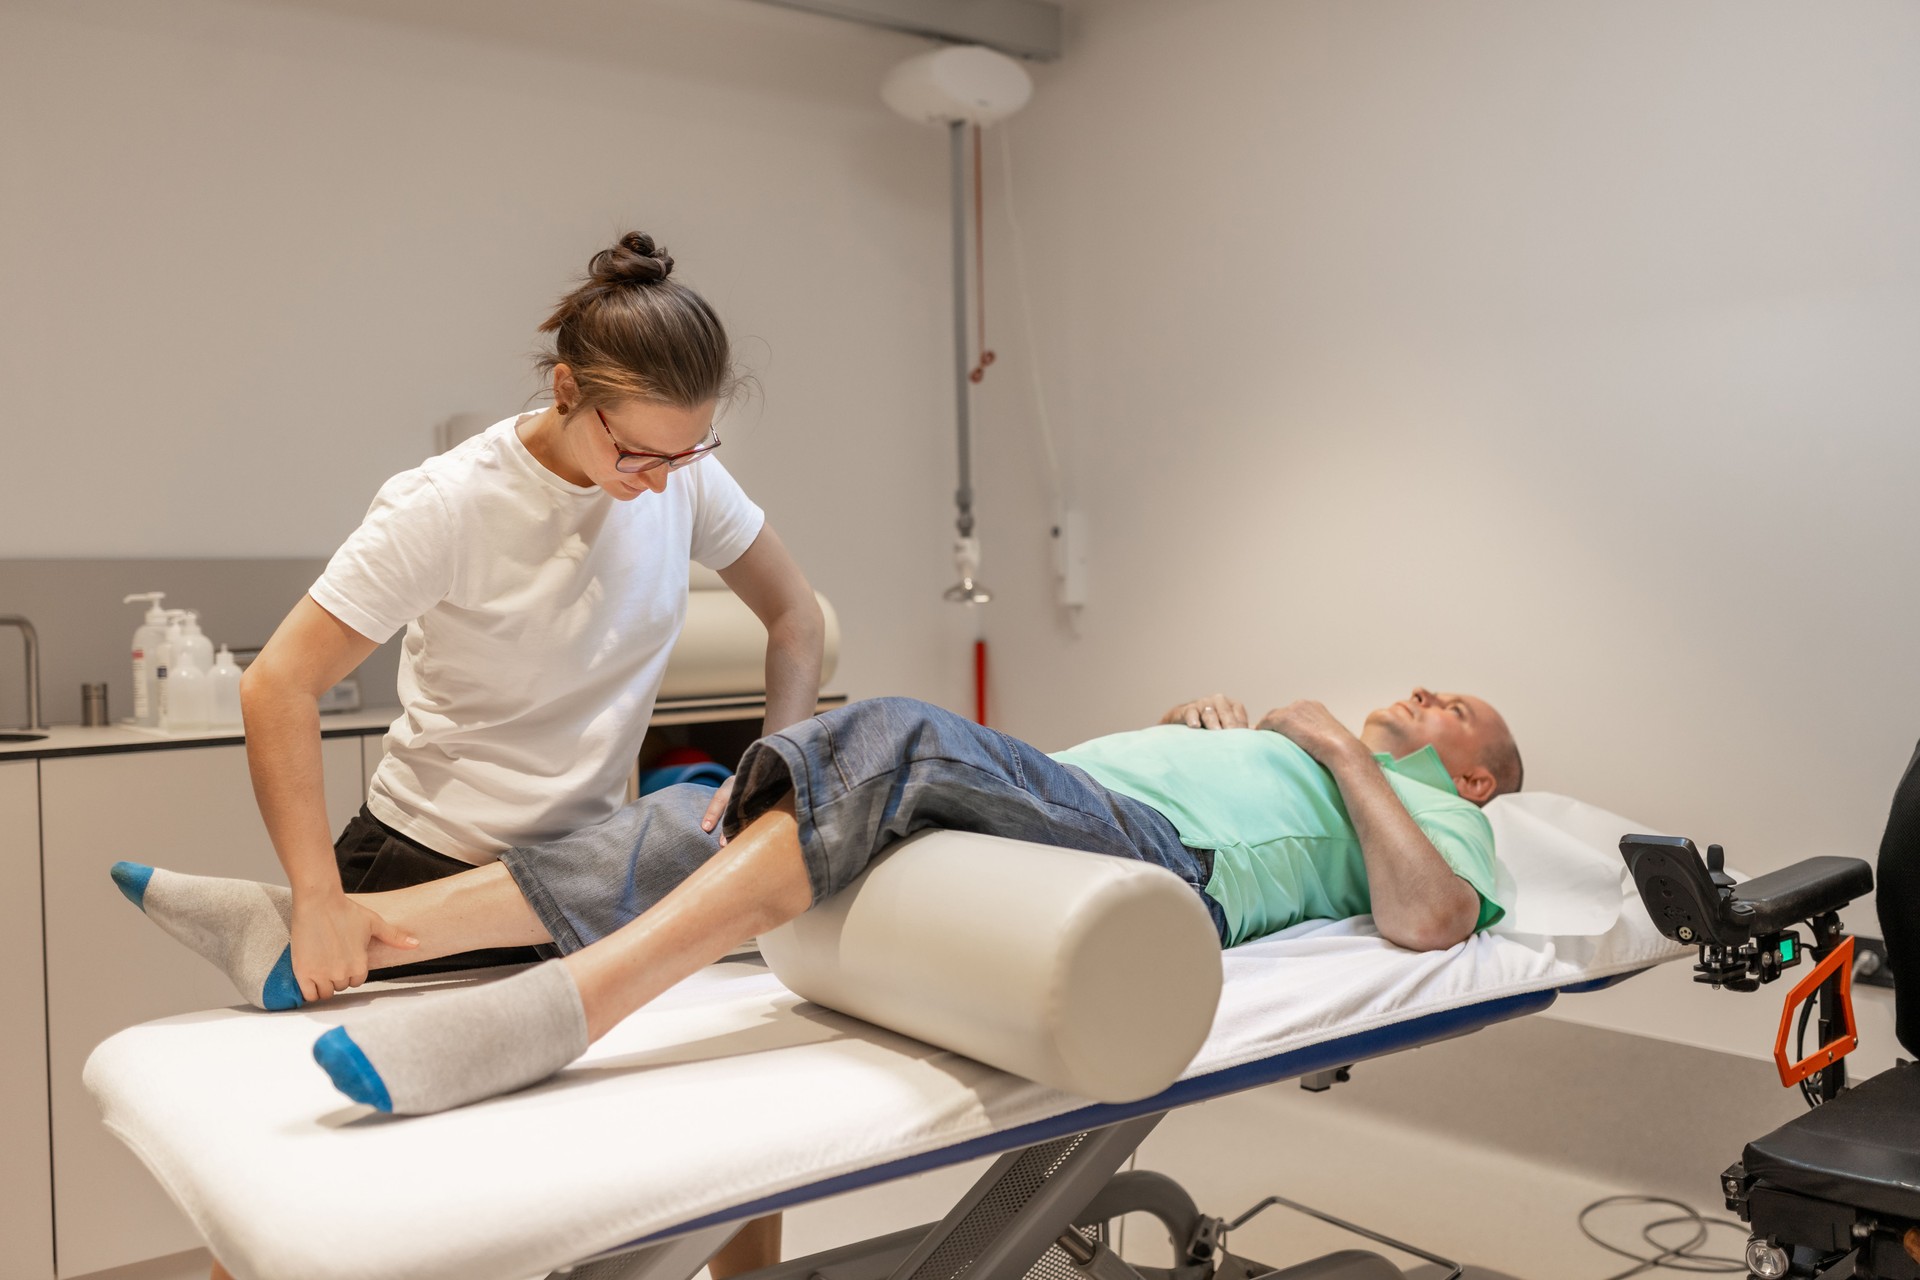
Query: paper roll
(722, 648)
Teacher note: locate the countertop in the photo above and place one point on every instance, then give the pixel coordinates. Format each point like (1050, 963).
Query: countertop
(74, 740)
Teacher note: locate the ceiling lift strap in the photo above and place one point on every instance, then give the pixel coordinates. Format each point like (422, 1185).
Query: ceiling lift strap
(963, 496)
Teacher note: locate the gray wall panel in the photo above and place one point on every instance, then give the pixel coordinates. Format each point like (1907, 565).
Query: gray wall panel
(86, 632)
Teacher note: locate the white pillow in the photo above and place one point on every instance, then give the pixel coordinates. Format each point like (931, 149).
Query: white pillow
(1558, 869)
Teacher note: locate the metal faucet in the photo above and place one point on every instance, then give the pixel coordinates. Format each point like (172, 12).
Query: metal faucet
(32, 638)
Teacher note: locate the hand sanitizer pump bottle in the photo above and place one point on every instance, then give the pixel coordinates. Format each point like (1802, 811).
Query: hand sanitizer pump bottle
(146, 650)
(165, 662)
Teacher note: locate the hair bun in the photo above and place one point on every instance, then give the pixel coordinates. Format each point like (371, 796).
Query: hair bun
(634, 259)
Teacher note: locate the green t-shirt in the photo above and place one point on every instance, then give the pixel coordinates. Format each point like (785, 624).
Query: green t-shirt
(1284, 849)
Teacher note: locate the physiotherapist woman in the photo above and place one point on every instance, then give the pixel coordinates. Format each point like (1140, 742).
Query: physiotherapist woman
(540, 572)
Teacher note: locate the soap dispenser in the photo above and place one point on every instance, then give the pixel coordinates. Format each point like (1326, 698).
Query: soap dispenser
(163, 668)
(146, 653)
(173, 661)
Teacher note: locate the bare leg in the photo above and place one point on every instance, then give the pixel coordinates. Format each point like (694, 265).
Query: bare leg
(241, 926)
(470, 911)
(459, 1047)
(754, 1246)
(723, 903)
(757, 882)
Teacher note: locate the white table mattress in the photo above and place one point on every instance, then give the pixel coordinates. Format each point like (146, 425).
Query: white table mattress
(729, 1090)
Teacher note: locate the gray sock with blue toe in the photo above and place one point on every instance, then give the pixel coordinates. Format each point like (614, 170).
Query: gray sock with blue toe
(239, 925)
(431, 1052)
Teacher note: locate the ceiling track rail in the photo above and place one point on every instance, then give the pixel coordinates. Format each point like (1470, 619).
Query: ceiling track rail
(1021, 28)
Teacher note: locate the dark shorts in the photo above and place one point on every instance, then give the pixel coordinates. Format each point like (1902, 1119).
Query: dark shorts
(374, 858)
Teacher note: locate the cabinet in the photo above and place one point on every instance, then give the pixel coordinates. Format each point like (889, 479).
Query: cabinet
(373, 749)
(26, 1199)
(188, 810)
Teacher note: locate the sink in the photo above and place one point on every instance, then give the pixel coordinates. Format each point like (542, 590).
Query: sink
(21, 737)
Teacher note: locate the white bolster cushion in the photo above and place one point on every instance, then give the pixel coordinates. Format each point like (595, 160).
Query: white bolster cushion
(1094, 974)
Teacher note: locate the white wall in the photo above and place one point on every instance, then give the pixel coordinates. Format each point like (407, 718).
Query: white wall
(253, 252)
(1560, 352)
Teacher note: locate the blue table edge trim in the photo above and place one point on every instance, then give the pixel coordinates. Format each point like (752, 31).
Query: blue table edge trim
(1392, 1038)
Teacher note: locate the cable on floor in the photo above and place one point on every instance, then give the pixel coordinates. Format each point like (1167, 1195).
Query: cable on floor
(1685, 1256)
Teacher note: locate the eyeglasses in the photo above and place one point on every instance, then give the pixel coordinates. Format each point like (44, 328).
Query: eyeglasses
(634, 461)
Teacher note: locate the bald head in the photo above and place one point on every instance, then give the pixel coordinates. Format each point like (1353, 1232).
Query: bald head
(1471, 738)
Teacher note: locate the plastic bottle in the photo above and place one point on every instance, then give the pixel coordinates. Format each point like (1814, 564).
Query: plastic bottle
(146, 643)
(185, 703)
(173, 662)
(188, 696)
(199, 649)
(223, 683)
(163, 669)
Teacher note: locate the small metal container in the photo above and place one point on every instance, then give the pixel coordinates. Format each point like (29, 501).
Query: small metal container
(93, 705)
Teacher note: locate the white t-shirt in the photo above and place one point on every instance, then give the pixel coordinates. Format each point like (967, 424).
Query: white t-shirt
(539, 617)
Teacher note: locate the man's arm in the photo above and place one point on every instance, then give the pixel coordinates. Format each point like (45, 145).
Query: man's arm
(1419, 902)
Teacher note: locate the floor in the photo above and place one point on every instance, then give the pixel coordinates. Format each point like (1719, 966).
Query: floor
(1482, 1150)
(1508, 1217)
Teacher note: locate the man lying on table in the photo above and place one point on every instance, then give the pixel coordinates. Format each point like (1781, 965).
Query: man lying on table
(1292, 819)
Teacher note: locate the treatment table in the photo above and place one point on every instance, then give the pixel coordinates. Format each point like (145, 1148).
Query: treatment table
(730, 1097)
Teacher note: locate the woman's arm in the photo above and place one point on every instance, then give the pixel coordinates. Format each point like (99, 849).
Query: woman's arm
(279, 699)
(769, 580)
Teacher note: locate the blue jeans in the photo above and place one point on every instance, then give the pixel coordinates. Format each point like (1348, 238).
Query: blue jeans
(862, 778)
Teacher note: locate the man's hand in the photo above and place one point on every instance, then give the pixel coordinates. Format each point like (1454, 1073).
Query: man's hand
(1215, 711)
(717, 808)
(1312, 727)
(1418, 901)
(330, 937)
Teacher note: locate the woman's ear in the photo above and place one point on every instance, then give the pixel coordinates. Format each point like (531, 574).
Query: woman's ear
(566, 391)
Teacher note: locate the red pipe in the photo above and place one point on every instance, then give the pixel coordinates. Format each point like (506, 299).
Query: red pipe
(980, 681)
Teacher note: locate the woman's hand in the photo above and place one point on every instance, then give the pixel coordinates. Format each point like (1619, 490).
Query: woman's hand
(717, 808)
(330, 937)
(1215, 711)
